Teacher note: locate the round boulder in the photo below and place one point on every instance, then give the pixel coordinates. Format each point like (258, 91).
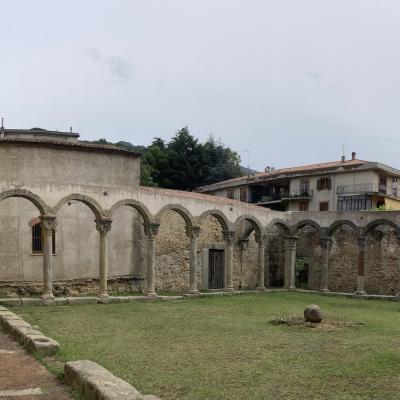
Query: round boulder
(312, 313)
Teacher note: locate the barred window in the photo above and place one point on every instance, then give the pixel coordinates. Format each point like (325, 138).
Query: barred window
(37, 239)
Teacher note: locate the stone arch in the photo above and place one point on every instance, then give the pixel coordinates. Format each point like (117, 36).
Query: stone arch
(379, 222)
(87, 200)
(281, 224)
(137, 205)
(181, 210)
(221, 218)
(26, 194)
(310, 222)
(337, 224)
(254, 222)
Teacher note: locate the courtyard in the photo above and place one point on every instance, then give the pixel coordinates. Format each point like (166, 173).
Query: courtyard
(227, 348)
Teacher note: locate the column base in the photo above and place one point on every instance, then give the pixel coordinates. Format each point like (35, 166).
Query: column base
(229, 289)
(47, 296)
(151, 294)
(360, 293)
(193, 291)
(260, 288)
(324, 290)
(103, 294)
(292, 287)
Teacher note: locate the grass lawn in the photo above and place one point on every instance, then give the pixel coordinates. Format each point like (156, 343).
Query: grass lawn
(226, 348)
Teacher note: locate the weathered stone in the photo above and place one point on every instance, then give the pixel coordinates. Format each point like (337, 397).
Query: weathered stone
(82, 300)
(312, 313)
(10, 302)
(98, 382)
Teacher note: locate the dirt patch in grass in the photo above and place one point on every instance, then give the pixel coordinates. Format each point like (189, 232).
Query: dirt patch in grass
(327, 324)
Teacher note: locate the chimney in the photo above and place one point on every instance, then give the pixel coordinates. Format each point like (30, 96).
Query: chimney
(353, 155)
(343, 159)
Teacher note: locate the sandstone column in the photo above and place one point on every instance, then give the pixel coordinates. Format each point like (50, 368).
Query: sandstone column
(326, 244)
(103, 226)
(290, 261)
(229, 237)
(48, 225)
(260, 239)
(151, 231)
(266, 266)
(193, 233)
(362, 242)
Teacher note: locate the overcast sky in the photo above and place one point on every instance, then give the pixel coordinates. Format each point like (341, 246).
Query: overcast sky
(287, 80)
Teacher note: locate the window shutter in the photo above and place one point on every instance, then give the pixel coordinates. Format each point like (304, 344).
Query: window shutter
(329, 184)
(319, 184)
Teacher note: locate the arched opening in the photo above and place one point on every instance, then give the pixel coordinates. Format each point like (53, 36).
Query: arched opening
(76, 267)
(343, 260)
(275, 256)
(212, 248)
(308, 257)
(21, 269)
(382, 259)
(172, 267)
(247, 254)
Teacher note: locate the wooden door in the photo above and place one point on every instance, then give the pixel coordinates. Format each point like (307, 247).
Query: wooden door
(216, 268)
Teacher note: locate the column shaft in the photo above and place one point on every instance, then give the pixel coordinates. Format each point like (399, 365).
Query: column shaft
(362, 242)
(193, 233)
(325, 247)
(229, 239)
(103, 227)
(151, 231)
(260, 239)
(48, 225)
(290, 262)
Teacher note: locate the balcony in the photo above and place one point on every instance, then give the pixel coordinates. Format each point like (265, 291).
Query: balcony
(365, 188)
(299, 195)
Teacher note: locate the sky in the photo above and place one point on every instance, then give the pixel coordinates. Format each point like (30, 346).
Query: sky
(282, 82)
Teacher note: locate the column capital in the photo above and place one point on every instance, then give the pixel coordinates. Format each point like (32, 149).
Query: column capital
(229, 236)
(49, 223)
(291, 241)
(362, 242)
(244, 244)
(193, 232)
(103, 226)
(326, 242)
(151, 229)
(260, 238)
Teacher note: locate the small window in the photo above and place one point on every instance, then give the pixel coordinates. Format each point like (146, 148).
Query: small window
(37, 239)
(243, 194)
(304, 186)
(230, 194)
(324, 184)
(303, 205)
(324, 206)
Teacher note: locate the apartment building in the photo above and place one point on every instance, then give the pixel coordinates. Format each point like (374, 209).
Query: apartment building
(344, 185)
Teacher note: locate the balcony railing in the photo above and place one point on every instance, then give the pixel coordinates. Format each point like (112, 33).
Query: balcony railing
(364, 188)
(286, 196)
(302, 194)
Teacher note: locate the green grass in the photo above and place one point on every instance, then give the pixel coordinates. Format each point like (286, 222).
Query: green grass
(226, 348)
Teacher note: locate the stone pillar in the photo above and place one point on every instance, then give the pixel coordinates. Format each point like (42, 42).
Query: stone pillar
(103, 226)
(151, 231)
(266, 266)
(229, 237)
(193, 233)
(326, 244)
(48, 225)
(397, 294)
(362, 242)
(260, 239)
(290, 261)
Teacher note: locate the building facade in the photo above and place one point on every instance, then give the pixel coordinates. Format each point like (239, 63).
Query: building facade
(345, 185)
(74, 219)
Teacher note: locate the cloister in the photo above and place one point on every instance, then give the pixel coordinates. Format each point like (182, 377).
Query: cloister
(236, 219)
